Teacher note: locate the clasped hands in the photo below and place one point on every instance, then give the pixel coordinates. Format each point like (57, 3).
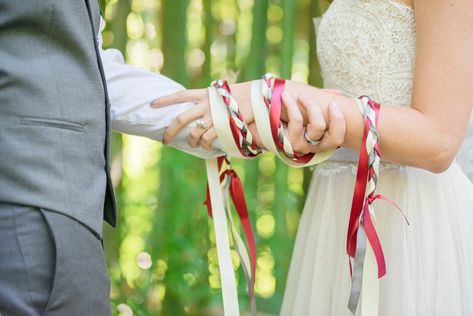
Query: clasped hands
(313, 120)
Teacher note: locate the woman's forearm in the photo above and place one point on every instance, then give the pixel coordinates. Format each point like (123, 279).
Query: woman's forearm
(407, 136)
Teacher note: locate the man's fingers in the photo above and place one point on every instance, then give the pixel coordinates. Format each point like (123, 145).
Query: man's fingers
(295, 124)
(195, 96)
(208, 138)
(197, 131)
(181, 121)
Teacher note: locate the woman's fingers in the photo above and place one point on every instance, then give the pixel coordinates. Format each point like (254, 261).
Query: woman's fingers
(199, 130)
(333, 91)
(182, 120)
(316, 125)
(208, 138)
(295, 124)
(334, 137)
(195, 96)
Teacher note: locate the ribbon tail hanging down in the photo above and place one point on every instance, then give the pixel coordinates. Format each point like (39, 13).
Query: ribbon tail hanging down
(227, 275)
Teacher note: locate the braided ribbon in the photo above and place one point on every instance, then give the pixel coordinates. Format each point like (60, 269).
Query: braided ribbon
(241, 134)
(224, 184)
(368, 262)
(361, 227)
(267, 105)
(238, 141)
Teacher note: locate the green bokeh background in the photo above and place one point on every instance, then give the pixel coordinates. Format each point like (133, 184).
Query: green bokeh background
(162, 258)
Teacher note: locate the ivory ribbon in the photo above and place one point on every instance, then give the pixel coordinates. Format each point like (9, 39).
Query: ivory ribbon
(263, 124)
(226, 118)
(227, 275)
(218, 203)
(363, 243)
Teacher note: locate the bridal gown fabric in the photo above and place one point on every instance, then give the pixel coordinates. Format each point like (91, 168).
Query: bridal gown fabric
(367, 47)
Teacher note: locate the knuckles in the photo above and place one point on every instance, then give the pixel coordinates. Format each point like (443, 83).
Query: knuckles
(195, 134)
(207, 138)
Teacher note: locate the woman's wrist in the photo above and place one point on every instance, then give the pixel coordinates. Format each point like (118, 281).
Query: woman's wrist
(354, 121)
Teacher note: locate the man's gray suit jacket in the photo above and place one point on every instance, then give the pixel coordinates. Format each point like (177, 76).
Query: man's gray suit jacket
(54, 110)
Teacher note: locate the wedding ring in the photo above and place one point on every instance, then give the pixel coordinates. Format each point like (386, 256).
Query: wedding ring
(310, 141)
(201, 124)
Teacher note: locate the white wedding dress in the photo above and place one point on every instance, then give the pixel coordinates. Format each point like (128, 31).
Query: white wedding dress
(367, 47)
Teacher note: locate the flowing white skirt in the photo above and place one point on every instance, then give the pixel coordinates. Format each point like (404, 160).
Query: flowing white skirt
(429, 262)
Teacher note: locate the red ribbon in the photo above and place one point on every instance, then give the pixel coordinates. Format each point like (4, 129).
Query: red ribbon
(275, 120)
(238, 198)
(360, 205)
(238, 135)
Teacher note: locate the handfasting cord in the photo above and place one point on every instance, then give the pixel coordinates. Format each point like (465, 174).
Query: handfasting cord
(272, 91)
(223, 184)
(241, 133)
(361, 227)
(363, 244)
(267, 106)
(233, 189)
(241, 144)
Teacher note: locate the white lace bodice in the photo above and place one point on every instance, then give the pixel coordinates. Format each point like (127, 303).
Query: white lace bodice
(368, 47)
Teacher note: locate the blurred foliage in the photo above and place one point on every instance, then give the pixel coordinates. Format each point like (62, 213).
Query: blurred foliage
(162, 257)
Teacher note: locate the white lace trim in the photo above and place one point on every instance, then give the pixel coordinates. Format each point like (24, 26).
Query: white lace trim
(337, 167)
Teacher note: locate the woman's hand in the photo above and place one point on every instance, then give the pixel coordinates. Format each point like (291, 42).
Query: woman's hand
(329, 135)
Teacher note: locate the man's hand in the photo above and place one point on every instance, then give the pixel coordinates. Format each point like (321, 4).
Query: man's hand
(198, 135)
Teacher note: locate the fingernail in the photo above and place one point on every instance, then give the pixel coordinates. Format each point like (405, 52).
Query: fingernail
(335, 106)
(155, 103)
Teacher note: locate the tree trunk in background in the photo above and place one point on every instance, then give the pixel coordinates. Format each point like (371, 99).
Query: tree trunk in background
(255, 65)
(173, 17)
(209, 24)
(181, 228)
(254, 69)
(281, 243)
(118, 25)
(315, 78)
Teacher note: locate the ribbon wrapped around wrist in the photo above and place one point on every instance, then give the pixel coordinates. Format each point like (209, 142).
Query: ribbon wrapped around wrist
(223, 183)
(363, 244)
